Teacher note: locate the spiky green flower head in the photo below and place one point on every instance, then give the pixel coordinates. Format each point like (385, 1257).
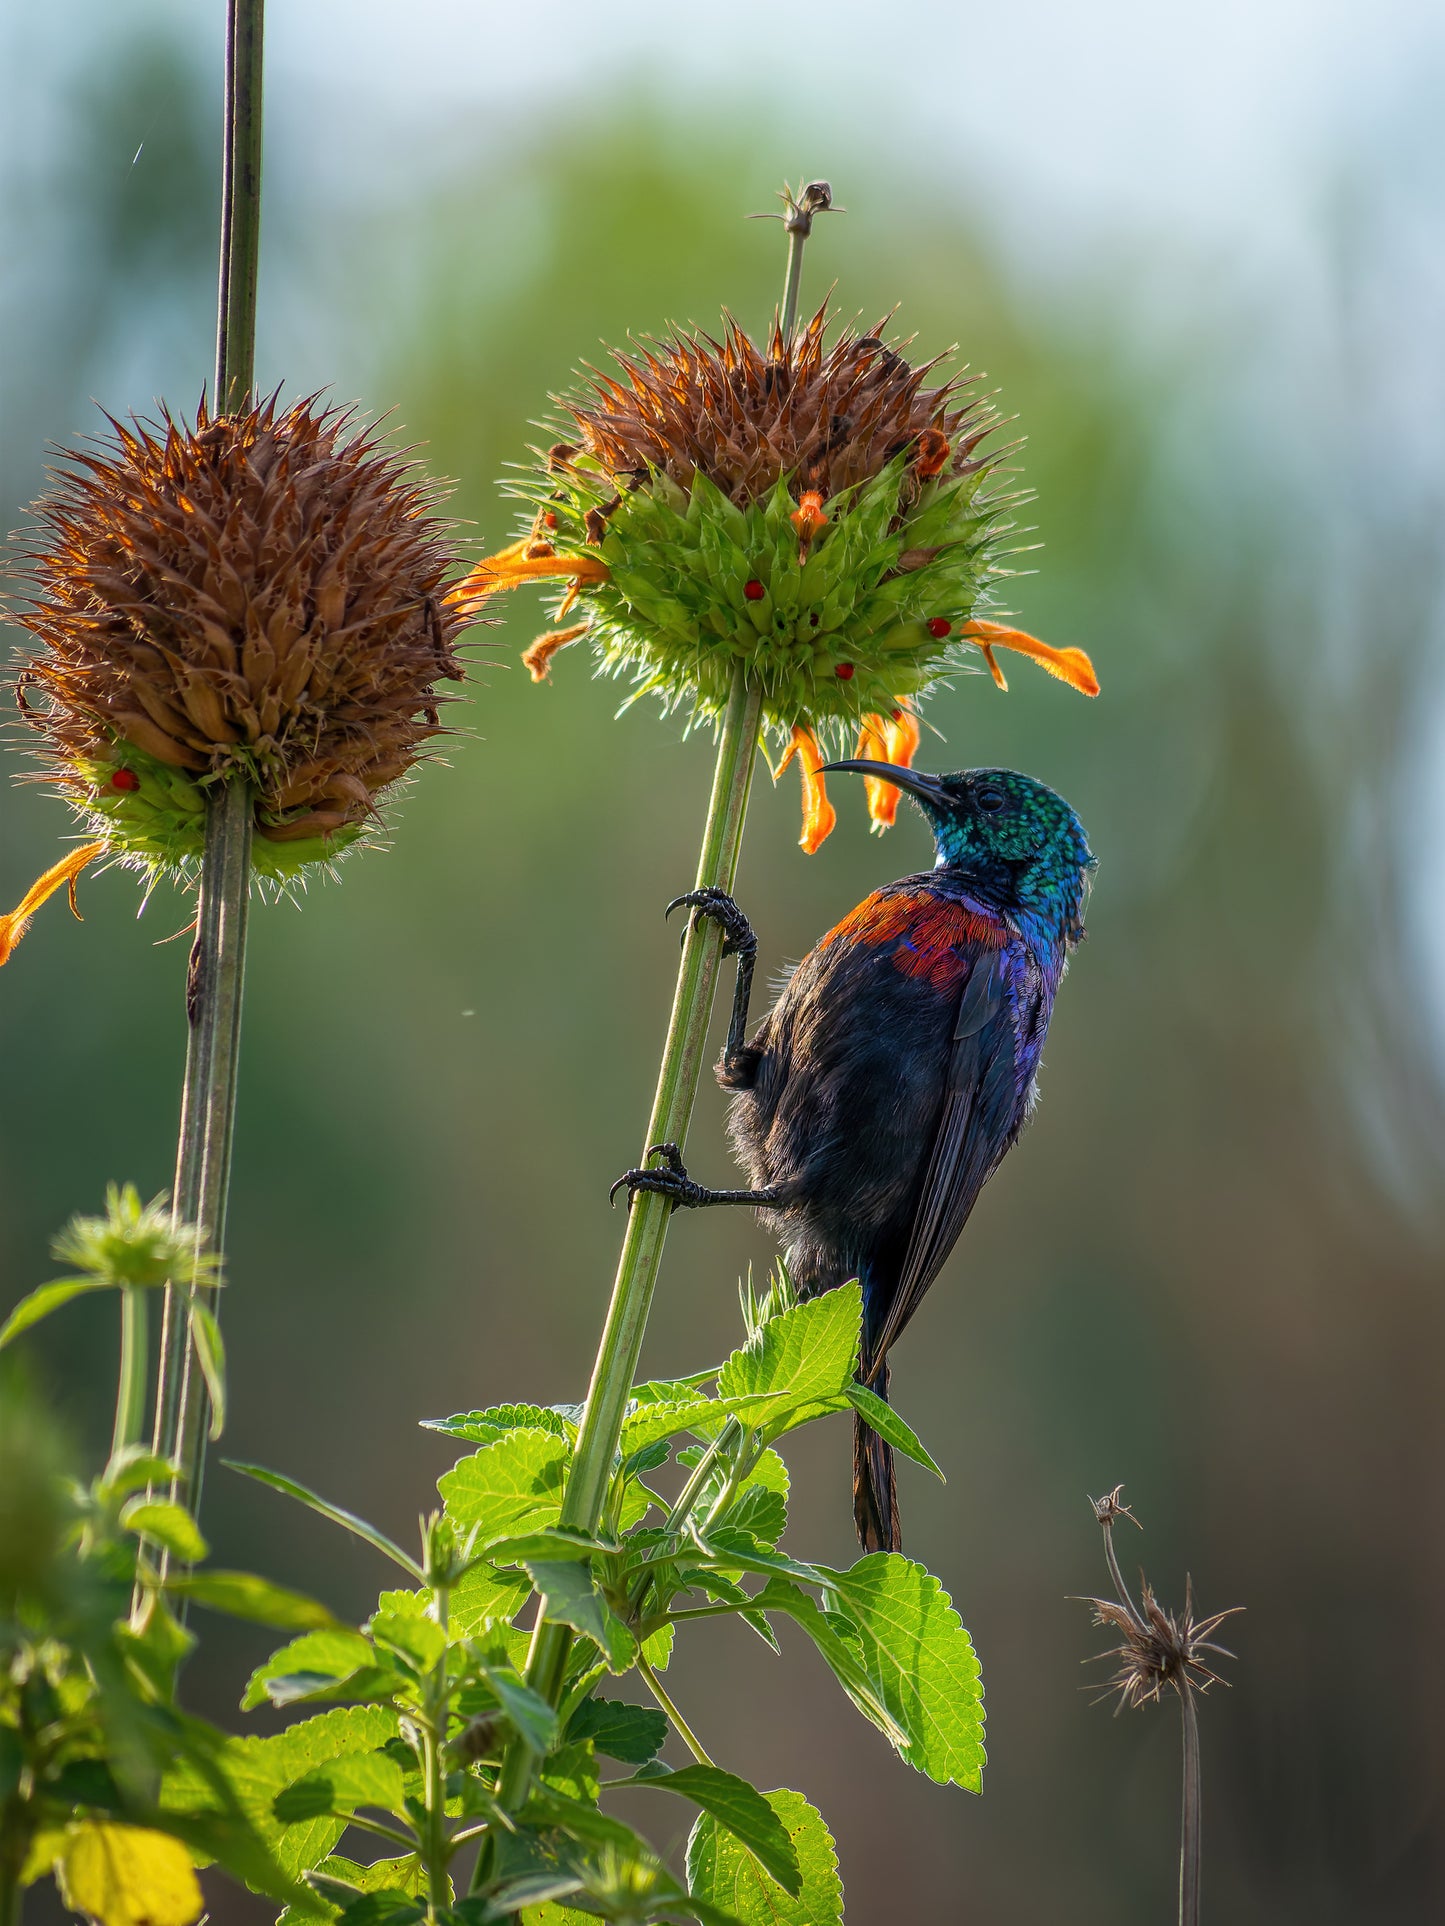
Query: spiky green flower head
(136, 1245)
(260, 595)
(816, 515)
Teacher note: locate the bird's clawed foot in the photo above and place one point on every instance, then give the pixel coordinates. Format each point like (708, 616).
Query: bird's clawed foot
(715, 903)
(671, 1180)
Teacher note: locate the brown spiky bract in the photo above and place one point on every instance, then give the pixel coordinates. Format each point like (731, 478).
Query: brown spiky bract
(1159, 1648)
(828, 417)
(262, 592)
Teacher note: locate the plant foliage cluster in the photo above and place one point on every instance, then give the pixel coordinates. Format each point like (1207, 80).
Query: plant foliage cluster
(388, 1785)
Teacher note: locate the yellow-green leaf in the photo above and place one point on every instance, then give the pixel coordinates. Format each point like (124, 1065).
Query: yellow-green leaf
(722, 1871)
(128, 1876)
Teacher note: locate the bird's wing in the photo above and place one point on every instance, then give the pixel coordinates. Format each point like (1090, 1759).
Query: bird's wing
(975, 1127)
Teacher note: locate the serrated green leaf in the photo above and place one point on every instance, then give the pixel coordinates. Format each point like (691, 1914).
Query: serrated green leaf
(167, 1524)
(808, 1353)
(528, 1710)
(257, 1769)
(348, 1521)
(651, 1458)
(553, 1543)
(572, 1598)
(759, 1511)
(348, 1876)
(484, 1596)
(372, 1685)
(782, 1595)
(886, 1422)
(572, 1769)
(244, 1595)
(332, 1655)
(742, 1809)
(511, 1486)
(921, 1661)
(703, 1416)
(49, 1297)
(632, 1733)
(342, 1786)
(486, 1427)
(411, 1635)
(536, 1890)
(387, 1907)
(210, 1350)
(547, 1807)
(739, 1551)
(721, 1872)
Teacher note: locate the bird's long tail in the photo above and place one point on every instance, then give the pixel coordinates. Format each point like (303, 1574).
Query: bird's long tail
(875, 1488)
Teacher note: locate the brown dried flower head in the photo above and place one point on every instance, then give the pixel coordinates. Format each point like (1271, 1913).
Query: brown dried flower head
(263, 594)
(828, 417)
(1159, 1648)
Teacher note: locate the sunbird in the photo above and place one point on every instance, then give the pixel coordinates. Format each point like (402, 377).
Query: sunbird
(899, 1063)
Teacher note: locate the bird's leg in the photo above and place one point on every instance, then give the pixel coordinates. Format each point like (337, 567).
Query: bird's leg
(673, 1181)
(735, 1070)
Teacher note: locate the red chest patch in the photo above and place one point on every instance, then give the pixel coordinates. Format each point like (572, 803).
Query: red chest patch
(931, 937)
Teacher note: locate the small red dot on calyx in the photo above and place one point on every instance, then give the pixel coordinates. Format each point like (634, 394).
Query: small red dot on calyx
(549, 520)
(939, 626)
(754, 590)
(844, 672)
(125, 779)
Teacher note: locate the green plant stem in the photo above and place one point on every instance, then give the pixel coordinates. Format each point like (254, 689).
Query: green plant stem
(240, 206)
(679, 1723)
(434, 1739)
(208, 1110)
(620, 1350)
(218, 956)
(1190, 1861)
(815, 198)
(134, 1383)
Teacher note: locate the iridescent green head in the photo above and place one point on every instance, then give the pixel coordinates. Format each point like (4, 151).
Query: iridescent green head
(1013, 840)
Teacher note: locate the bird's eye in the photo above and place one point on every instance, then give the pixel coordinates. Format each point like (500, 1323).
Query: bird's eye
(989, 798)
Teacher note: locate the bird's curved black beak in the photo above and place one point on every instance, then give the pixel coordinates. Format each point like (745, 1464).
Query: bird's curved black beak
(915, 782)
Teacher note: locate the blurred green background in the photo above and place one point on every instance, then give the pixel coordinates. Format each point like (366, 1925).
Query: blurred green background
(1213, 1269)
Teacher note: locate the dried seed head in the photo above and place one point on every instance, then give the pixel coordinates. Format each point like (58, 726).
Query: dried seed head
(263, 593)
(1159, 1648)
(815, 514)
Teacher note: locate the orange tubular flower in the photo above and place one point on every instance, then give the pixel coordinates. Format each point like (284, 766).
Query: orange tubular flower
(527, 561)
(14, 926)
(808, 517)
(893, 738)
(1069, 665)
(819, 815)
(537, 657)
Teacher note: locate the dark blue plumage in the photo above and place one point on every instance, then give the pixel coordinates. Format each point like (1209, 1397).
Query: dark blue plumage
(897, 1067)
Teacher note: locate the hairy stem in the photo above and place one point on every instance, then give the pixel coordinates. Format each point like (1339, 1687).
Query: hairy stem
(130, 1392)
(1190, 1864)
(208, 1109)
(621, 1347)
